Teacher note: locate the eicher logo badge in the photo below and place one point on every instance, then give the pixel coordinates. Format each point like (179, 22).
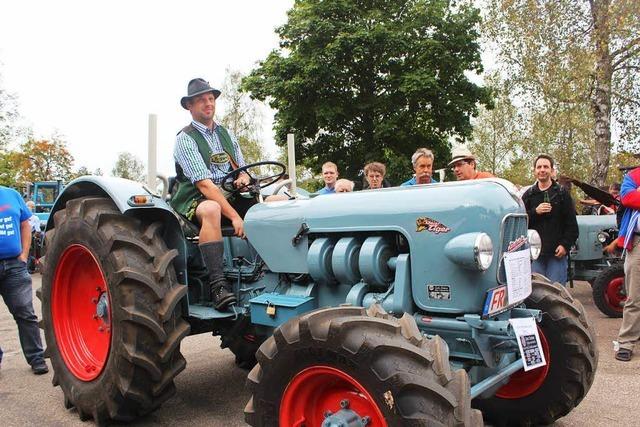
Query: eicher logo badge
(431, 225)
(517, 244)
(219, 158)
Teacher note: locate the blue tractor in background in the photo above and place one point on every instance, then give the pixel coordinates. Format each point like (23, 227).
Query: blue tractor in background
(386, 307)
(44, 195)
(603, 271)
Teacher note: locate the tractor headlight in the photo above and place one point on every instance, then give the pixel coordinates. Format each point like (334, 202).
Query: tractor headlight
(535, 243)
(483, 251)
(603, 236)
(470, 250)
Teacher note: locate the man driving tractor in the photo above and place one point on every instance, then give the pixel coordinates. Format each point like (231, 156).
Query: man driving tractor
(205, 152)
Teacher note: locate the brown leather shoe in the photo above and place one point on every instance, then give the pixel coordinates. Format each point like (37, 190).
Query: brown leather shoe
(222, 294)
(624, 355)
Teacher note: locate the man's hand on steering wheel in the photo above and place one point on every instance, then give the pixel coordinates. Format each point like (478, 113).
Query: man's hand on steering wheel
(242, 181)
(243, 178)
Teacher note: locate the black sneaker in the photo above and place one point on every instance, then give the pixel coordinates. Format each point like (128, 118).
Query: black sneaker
(222, 294)
(40, 367)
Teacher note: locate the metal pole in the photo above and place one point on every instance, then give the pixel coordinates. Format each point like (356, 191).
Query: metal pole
(152, 153)
(291, 160)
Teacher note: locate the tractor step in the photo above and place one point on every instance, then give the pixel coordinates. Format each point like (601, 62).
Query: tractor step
(204, 312)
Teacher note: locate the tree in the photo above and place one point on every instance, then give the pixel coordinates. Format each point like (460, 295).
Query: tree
(355, 80)
(499, 133)
(242, 117)
(42, 160)
(8, 171)
(621, 159)
(128, 166)
(81, 171)
(575, 64)
(9, 131)
(8, 117)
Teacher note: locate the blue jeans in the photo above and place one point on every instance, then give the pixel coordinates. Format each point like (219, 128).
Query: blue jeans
(15, 288)
(552, 267)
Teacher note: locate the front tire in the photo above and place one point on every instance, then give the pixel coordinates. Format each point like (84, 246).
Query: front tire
(609, 292)
(541, 396)
(332, 361)
(111, 310)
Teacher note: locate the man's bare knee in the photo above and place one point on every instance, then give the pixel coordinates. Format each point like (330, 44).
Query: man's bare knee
(209, 211)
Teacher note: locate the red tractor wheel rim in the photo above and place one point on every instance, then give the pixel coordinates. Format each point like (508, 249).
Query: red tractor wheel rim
(317, 390)
(614, 294)
(80, 311)
(522, 384)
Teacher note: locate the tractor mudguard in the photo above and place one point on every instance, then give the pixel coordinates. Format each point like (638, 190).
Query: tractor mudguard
(121, 192)
(117, 189)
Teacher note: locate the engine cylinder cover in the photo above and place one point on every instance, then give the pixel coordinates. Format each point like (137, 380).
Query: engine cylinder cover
(345, 260)
(319, 260)
(373, 261)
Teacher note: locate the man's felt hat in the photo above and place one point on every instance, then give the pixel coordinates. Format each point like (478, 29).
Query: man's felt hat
(198, 87)
(461, 153)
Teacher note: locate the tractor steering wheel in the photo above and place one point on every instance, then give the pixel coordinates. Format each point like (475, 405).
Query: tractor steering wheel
(257, 181)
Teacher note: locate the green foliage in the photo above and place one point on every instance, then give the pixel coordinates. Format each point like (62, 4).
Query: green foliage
(8, 169)
(399, 167)
(622, 159)
(129, 166)
(356, 81)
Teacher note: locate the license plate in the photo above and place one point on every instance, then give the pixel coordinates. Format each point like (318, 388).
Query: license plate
(496, 301)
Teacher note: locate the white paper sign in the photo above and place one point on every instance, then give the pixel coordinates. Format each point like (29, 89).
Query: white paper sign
(528, 342)
(518, 268)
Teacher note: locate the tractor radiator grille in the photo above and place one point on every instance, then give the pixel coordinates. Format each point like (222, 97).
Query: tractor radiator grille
(514, 227)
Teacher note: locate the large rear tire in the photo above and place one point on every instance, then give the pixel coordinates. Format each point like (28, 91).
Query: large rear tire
(609, 292)
(111, 310)
(541, 396)
(331, 361)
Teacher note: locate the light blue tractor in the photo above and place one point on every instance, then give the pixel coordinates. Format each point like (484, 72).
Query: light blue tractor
(387, 307)
(605, 272)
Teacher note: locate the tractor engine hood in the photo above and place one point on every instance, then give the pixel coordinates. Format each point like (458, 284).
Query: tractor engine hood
(428, 216)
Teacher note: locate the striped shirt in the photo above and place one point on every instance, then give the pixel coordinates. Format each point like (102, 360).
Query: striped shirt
(186, 154)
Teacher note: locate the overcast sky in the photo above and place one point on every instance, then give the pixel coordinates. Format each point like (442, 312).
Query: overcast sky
(95, 70)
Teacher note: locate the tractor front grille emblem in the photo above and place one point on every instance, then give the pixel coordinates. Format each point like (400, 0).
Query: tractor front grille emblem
(517, 244)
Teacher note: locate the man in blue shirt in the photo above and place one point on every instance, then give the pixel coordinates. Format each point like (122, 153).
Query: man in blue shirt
(15, 281)
(329, 175)
(422, 161)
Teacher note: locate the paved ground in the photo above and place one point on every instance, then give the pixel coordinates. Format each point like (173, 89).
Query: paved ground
(211, 389)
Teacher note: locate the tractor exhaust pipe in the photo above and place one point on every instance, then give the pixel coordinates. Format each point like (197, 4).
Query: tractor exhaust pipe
(152, 153)
(291, 160)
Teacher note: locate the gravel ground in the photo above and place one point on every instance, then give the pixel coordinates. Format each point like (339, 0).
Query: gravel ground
(211, 389)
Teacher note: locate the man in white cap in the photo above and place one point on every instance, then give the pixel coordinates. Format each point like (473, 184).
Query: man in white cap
(463, 164)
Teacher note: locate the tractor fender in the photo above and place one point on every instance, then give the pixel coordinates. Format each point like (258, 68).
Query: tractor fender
(117, 189)
(121, 191)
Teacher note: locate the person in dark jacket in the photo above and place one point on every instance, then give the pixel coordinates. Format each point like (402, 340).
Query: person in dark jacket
(552, 214)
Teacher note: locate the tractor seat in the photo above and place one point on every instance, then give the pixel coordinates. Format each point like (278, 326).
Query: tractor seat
(192, 231)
